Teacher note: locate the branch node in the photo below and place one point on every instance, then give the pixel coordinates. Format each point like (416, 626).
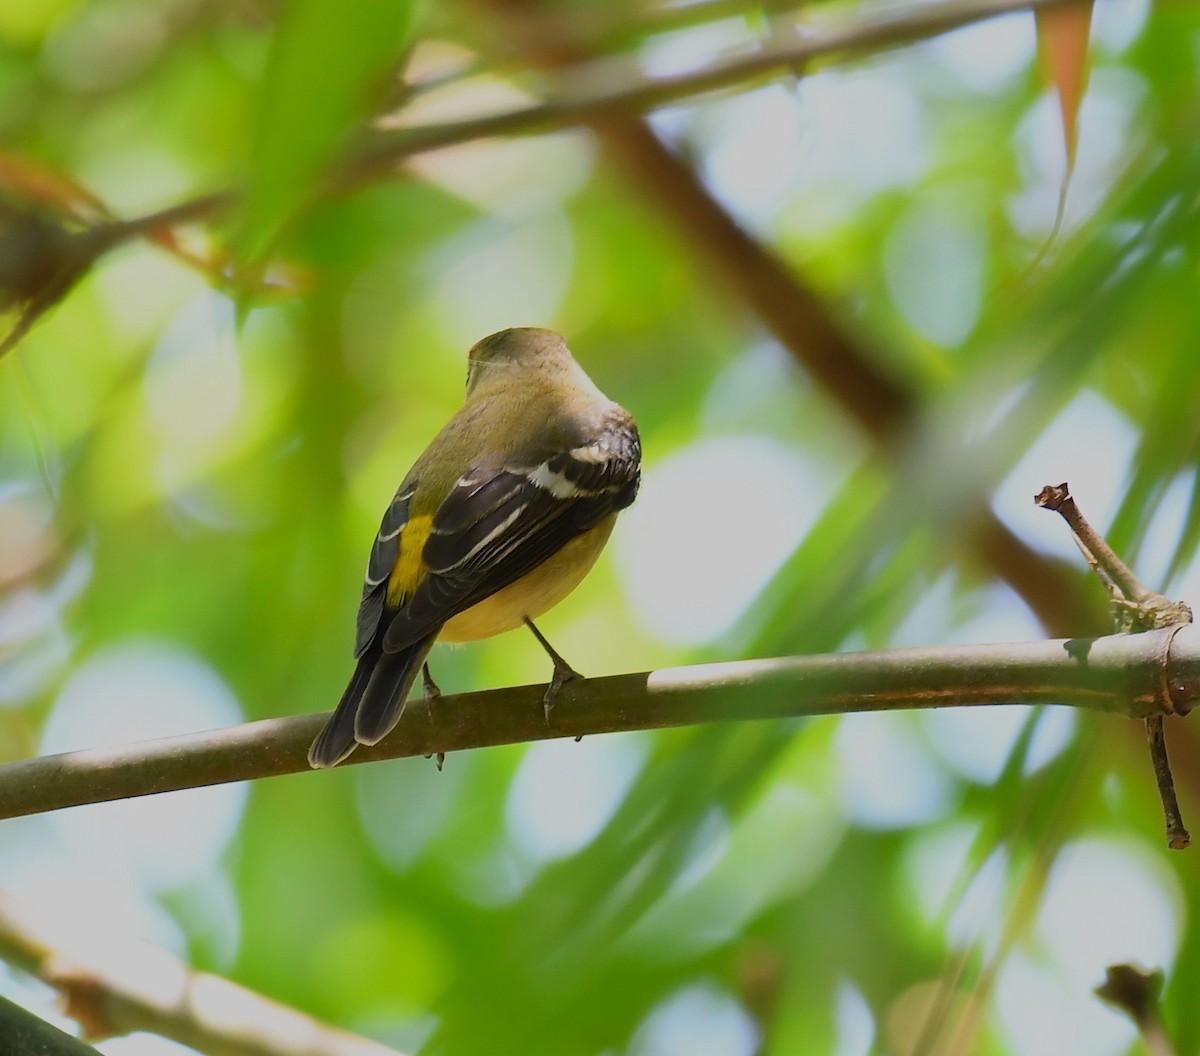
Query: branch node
(81, 997)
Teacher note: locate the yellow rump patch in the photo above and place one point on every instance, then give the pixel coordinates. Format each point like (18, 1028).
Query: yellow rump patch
(409, 569)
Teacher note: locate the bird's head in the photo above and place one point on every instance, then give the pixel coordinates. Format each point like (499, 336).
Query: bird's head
(529, 348)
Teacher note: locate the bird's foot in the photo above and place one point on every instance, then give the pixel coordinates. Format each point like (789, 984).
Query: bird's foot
(432, 696)
(563, 672)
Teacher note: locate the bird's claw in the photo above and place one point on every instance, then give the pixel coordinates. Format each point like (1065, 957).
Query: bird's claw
(563, 673)
(432, 696)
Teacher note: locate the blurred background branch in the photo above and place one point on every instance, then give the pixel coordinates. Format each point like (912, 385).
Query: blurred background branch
(40, 261)
(113, 986)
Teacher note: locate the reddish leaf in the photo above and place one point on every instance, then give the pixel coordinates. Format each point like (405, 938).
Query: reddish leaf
(1063, 48)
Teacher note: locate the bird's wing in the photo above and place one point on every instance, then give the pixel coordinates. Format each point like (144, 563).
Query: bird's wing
(385, 552)
(499, 522)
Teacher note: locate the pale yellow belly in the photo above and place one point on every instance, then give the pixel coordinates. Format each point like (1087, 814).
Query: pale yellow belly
(536, 592)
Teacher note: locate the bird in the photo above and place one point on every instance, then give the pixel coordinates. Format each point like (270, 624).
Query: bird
(498, 520)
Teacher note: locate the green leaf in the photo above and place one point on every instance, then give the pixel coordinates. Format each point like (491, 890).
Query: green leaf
(327, 66)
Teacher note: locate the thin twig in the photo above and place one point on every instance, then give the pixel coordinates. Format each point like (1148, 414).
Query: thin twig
(187, 212)
(1177, 836)
(1104, 559)
(118, 986)
(1117, 673)
(1135, 608)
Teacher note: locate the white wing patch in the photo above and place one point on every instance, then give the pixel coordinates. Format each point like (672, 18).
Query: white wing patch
(469, 481)
(594, 454)
(556, 483)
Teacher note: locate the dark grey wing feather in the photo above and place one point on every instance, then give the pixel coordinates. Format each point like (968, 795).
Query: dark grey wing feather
(372, 703)
(477, 493)
(499, 523)
(384, 696)
(384, 552)
(336, 739)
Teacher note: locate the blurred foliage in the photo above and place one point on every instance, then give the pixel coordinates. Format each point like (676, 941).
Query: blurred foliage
(197, 442)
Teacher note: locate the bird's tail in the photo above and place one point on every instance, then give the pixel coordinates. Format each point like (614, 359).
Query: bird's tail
(372, 703)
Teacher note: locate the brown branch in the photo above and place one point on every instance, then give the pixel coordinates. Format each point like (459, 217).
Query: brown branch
(598, 88)
(1177, 836)
(802, 322)
(1135, 608)
(588, 93)
(67, 256)
(1138, 607)
(825, 346)
(122, 986)
(1119, 673)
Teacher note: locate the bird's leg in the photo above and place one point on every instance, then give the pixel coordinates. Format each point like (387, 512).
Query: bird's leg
(432, 696)
(430, 687)
(563, 672)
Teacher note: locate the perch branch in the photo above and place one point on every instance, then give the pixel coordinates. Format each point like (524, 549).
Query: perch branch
(1126, 674)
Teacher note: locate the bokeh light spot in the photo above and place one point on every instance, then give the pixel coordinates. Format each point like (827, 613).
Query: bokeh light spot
(697, 1021)
(564, 792)
(712, 525)
(889, 778)
(135, 691)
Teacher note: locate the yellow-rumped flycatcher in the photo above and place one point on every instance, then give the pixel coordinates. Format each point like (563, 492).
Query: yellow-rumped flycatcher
(501, 517)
